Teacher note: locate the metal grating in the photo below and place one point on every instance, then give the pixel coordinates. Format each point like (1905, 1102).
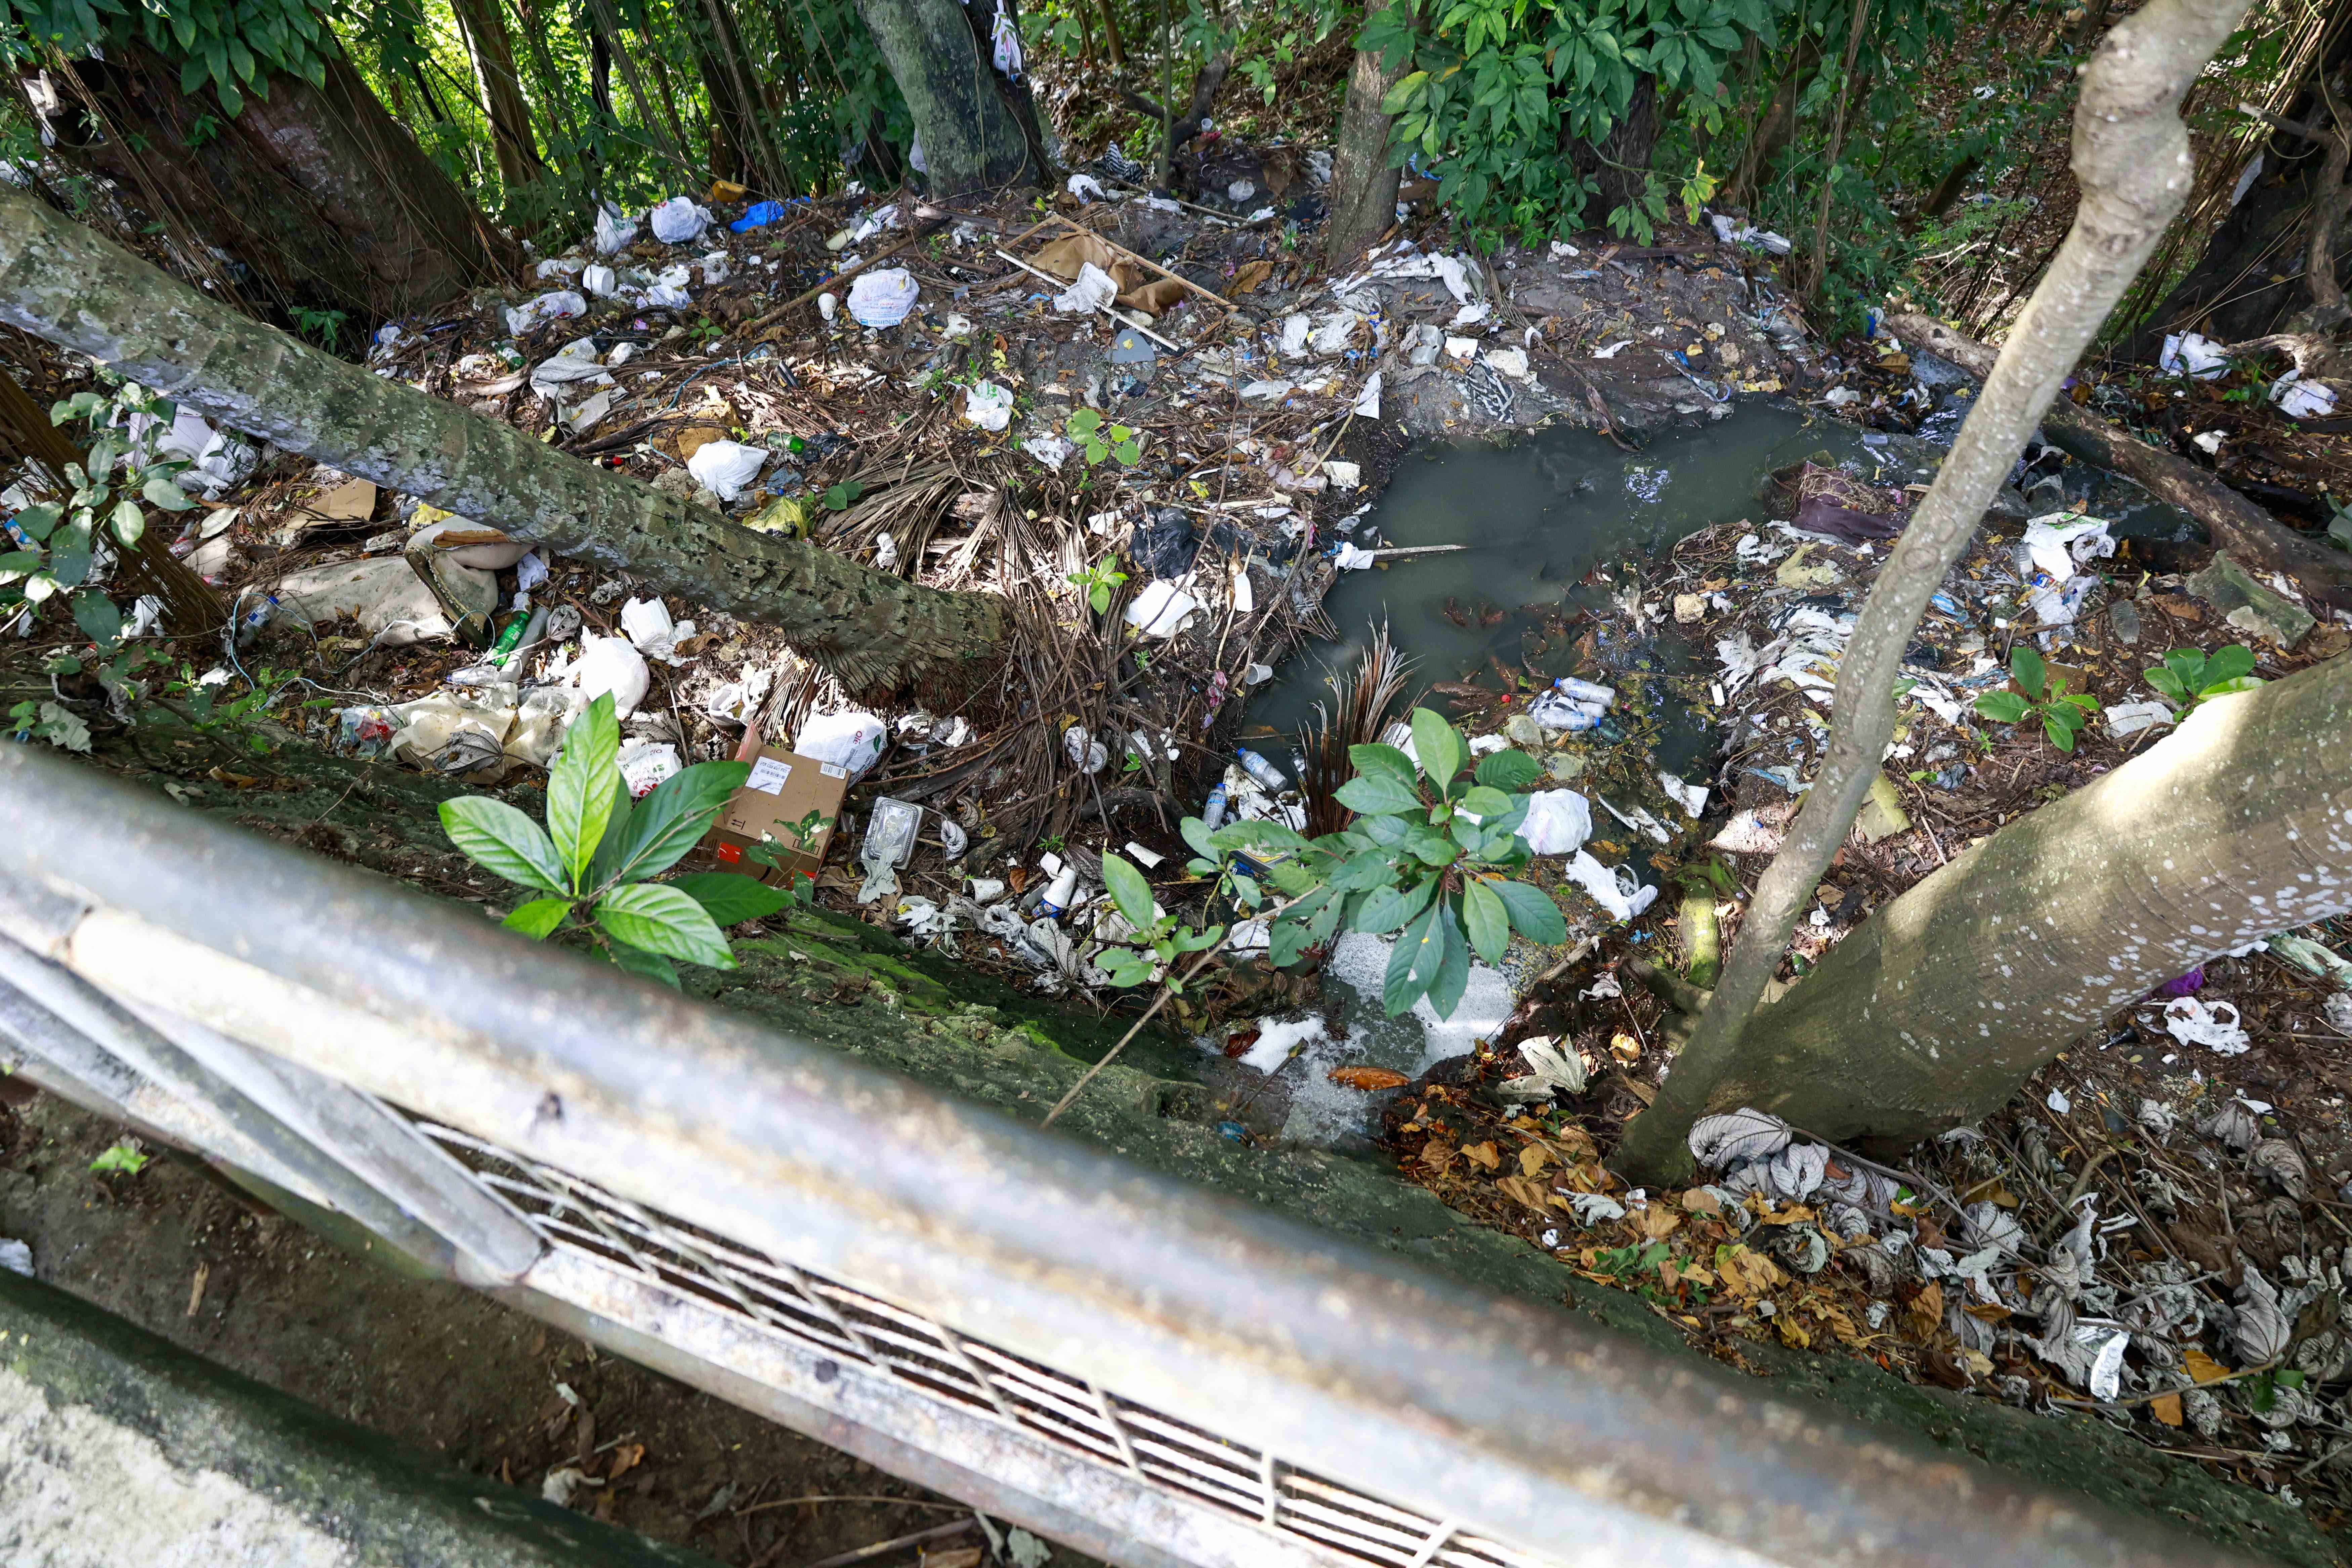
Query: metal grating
(928, 1359)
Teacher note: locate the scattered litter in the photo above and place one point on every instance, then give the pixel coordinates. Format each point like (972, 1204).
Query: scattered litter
(678, 220)
(988, 405)
(726, 469)
(883, 298)
(2194, 1022)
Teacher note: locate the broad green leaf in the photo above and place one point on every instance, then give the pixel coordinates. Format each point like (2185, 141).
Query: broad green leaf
(580, 785)
(162, 492)
(98, 617)
(39, 521)
(2001, 707)
(616, 829)
(2223, 687)
(1453, 963)
(1129, 892)
(729, 898)
(1532, 913)
(1372, 869)
(2228, 664)
(1196, 834)
(1402, 95)
(1485, 919)
(1375, 794)
(1420, 954)
(536, 919)
(2061, 733)
(667, 823)
(664, 920)
(1438, 745)
(503, 841)
(19, 561)
(128, 522)
(1483, 801)
(1388, 908)
(1287, 944)
(1197, 941)
(1431, 846)
(1384, 762)
(2031, 670)
(644, 965)
(2167, 683)
(1508, 771)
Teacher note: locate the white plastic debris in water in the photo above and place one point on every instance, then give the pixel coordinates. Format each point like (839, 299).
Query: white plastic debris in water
(726, 467)
(2062, 542)
(1275, 1039)
(1093, 290)
(2194, 1022)
(551, 305)
(1085, 188)
(615, 230)
(2056, 1101)
(1558, 822)
(611, 664)
(988, 405)
(1512, 363)
(849, 741)
(678, 220)
(1611, 351)
(1335, 334)
(1343, 476)
(1840, 397)
(882, 298)
(1268, 389)
(2192, 354)
(2301, 399)
(1368, 401)
(1690, 797)
(645, 763)
(1607, 888)
(1161, 609)
(1353, 558)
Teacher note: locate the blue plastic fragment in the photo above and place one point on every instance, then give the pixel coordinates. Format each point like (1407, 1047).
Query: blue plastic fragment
(760, 215)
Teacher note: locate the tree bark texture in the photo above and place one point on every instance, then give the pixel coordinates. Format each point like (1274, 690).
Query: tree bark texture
(2131, 158)
(2236, 524)
(319, 191)
(511, 139)
(971, 139)
(1619, 162)
(1931, 1013)
(1777, 127)
(1363, 181)
(62, 282)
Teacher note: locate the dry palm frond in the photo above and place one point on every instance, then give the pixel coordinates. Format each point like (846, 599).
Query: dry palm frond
(1364, 698)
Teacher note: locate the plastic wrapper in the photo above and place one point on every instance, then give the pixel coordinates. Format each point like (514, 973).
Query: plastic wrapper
(678, 220)
(883, 298)
(726, 467)
(850, 740)
(610, 664)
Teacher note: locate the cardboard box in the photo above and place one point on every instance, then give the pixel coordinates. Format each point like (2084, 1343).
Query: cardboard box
(785, 786)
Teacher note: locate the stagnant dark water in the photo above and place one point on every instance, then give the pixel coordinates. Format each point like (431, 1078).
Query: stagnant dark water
(1538, 515)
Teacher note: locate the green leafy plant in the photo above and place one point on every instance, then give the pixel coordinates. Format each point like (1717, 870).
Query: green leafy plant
(59, 725)
(211, 709)
(66, 536)
(1098, 442)
(2063, 713)
(800, 888)
(1159, 939)
(126, 1158)
(595, 859)
(2189, 676)
(324, 327)
(839, 496)
(1099, 581)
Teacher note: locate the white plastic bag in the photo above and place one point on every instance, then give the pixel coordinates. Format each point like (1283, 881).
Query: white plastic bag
(615, 230)
(1094, 289)
(849, 741)
(883, 298)
(600, 281)
(1085, 188)
(988, 405)
(1607, 888)
(575, 361)
(648, 627)
(645, 763)
(548, 307)
(1161, 609)
(726, 467)
(1558, 821)
(678, 220)
(610, 664)
(2192, 354)
(2193, 1022)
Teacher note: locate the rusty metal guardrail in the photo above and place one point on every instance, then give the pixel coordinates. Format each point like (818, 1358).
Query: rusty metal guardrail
(1148, 1371)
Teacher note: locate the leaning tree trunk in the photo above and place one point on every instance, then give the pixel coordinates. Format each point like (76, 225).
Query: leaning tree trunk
(971, 139)
(1619, 162)
(1778, 126)
(63, 282)
(2132, 159)
(1363, 181)
(1932, 1013)
(317, 190)
(511, 139)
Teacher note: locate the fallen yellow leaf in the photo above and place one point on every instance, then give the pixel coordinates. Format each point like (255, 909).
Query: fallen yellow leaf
(2166, 1407)
(1656, 1220)
(1698, 1200)
(1527, 1190)
(1533, 1159)
(1482, 1155)
(2203, 1367)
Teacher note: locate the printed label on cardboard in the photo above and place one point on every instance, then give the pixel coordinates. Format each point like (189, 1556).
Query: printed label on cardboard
(831, 771)
(768, 775)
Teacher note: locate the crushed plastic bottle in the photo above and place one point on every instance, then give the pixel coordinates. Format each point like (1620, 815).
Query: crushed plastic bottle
(1263, 772)
(1584, 692)
(889, 844)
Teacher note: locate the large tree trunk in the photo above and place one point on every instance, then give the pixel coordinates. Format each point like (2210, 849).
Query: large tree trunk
(320, 192)
(63, 282)
(1619, 162)
(1777, 128)
(1932, 1013)
(972, 140)
(1363, 181)
(511, 139)
(2132, 159)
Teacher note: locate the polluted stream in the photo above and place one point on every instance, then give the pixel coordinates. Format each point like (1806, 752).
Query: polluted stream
(1544, 520)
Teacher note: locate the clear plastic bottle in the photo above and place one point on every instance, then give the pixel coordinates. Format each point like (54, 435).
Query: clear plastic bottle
(1258, 768)
(1584, 690)
(1212, 813)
